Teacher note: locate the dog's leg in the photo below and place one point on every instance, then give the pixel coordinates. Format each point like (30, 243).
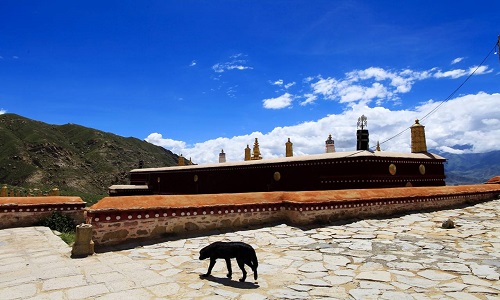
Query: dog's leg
(229, 270)
(241, 264)
(210, 267)
(253, 266)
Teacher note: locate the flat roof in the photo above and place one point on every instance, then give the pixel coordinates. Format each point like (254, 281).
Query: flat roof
(334, 155)
(265, 198)
(40, 200)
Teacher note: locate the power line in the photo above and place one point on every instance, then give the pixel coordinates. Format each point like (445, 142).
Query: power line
(451, 95)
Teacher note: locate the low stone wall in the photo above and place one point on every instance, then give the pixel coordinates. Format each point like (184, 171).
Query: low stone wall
(27, 211)
(118, 219)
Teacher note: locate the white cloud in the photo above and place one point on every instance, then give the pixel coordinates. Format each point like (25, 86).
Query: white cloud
(466, 120)
(173, 145)
(282, 101)
(325, 87)
(453, 73)
(2, 111)
(281, 83)
(460, 72)
(457, 60)
(236, 62)
(310, 98)
(372, 84)
(193, 63)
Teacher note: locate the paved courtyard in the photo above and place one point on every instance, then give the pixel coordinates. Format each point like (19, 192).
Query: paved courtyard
(405, 257)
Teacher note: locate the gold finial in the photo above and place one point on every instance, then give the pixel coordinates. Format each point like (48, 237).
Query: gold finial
(256, 150)
(378, 146)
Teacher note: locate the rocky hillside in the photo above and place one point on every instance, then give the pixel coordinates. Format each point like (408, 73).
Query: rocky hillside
(74, 158)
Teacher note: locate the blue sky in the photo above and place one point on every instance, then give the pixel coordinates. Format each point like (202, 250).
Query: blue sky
(199, 76)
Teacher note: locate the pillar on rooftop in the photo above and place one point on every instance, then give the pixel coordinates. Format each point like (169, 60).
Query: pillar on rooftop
(289, 148)
(182, 161)
(247, 153)
(330, 144)
(418, 143)
(4, 191)
(222, 156)
(362, 134)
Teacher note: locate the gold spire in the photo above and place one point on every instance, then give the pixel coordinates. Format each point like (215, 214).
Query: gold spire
(256, 151)
(378, 146)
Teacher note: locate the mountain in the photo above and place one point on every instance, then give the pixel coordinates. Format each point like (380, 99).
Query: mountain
(470, 168)
(76, 159)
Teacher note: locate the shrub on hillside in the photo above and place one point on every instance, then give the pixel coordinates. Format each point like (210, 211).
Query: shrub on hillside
(59, 222)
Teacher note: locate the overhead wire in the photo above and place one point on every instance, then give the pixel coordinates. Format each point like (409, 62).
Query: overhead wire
(451, 95)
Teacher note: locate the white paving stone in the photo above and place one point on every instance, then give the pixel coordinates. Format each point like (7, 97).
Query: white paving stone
(454, 267)
(312, 267)
(396, 295)
(483, 271)
(18, 292)
(338, 280)
(375, 276)
(336, 260)
(364, 294)
(416, 282)
(87, 292)
(436, 275)
(462, 296)
(452, 287)
(63, 283)
(314, 282)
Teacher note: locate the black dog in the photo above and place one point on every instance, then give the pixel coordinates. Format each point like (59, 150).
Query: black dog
(243, 253)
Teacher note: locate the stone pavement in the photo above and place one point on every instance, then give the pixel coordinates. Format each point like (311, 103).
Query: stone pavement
(405, 257)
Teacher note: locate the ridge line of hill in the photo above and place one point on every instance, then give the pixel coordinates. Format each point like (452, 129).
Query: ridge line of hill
(75, 159)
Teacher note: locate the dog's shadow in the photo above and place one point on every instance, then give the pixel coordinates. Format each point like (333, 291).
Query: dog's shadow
(232, 283)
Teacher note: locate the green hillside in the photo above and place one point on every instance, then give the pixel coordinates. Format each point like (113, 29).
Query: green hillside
(76, 159)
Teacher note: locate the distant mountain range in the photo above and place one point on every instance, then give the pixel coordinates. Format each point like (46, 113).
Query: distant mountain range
(76, 159)
(470, 168)
(84, 161)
